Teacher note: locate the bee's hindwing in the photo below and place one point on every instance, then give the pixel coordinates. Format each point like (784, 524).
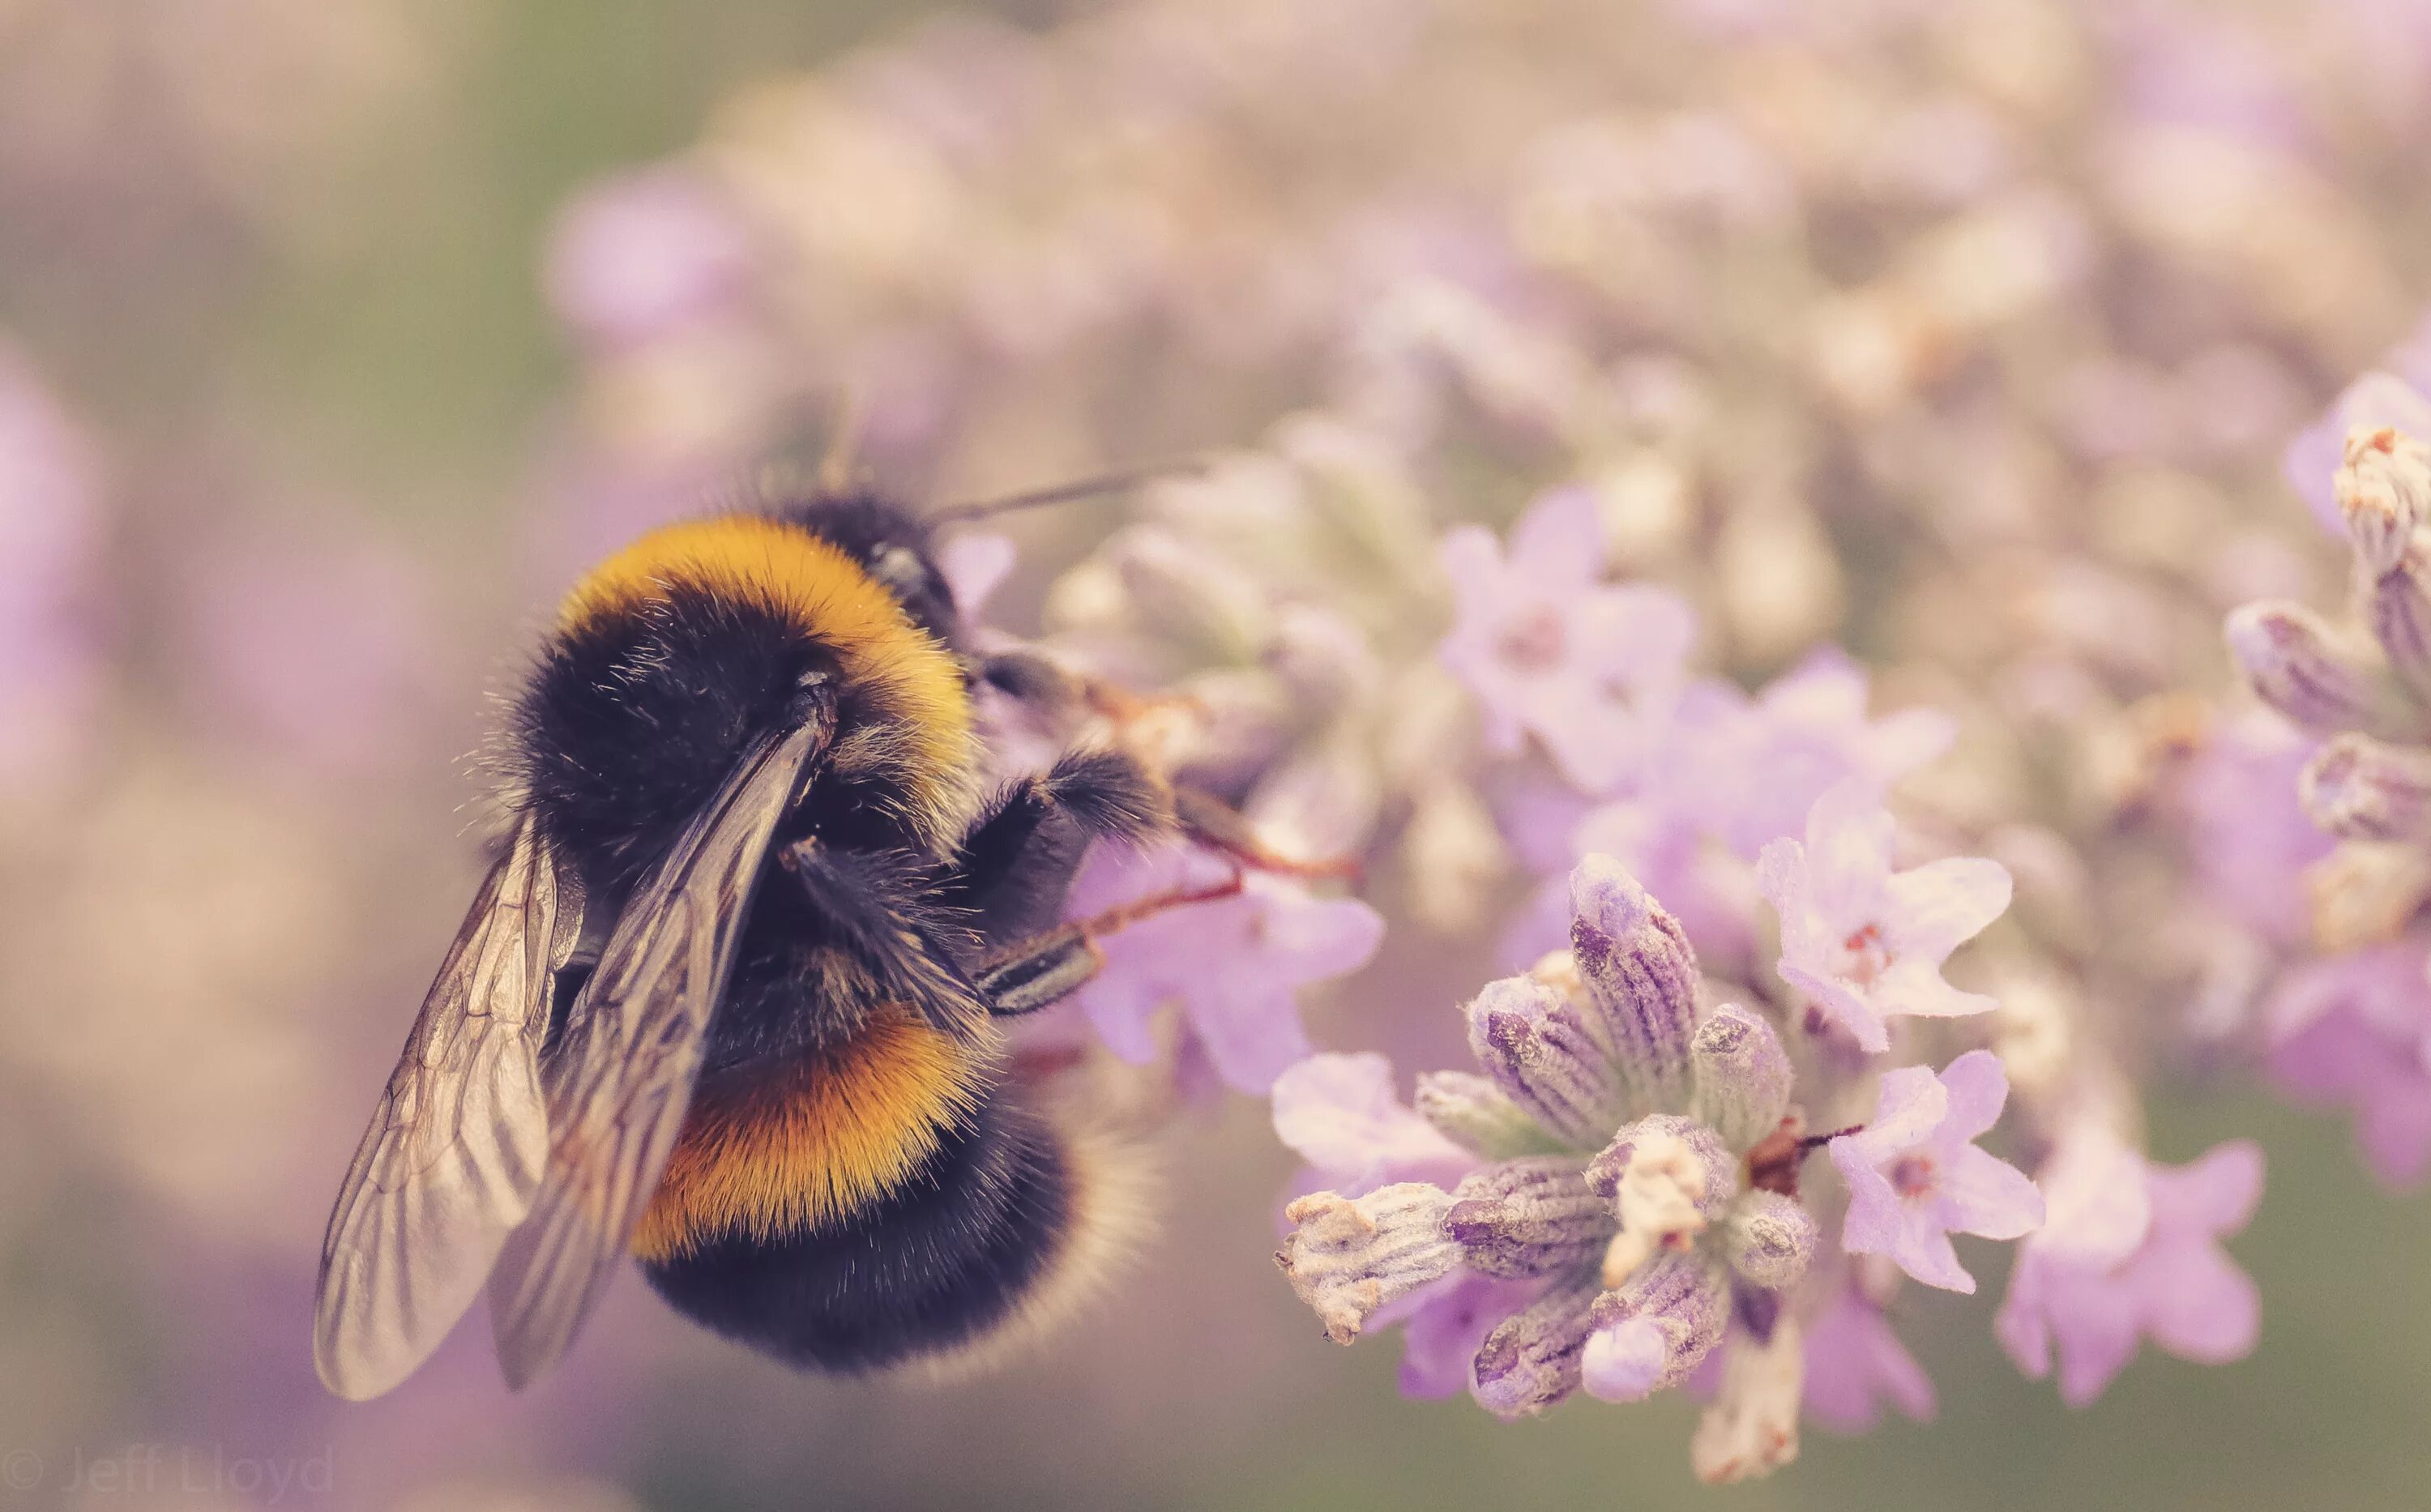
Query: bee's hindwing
(455, 1151)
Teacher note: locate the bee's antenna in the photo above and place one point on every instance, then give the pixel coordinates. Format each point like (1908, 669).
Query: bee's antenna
(1106, 482)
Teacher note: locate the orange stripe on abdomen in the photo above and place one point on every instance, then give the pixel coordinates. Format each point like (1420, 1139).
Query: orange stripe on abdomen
(789, 1151)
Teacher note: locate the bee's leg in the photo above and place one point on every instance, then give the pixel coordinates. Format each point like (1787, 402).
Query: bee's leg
(879, 915)
(1220, 827)
(1015, 865)
(1049, 967)
(1029, 678)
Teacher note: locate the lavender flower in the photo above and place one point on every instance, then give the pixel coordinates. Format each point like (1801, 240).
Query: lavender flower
(1863, 942)
(1552, 651)
(2351, 1031)
(1758, 766)
(1340, 1114)
(1855, 1366)
(1631, 1222)
(1235, 964)
(2131, 1250)
(1915, 1176)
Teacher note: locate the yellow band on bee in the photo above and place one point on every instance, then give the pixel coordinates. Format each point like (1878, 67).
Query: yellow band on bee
(819, 1139)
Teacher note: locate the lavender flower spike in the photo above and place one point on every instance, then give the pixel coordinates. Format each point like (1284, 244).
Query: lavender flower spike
(1641, 973)
(1347, 1258)
(2358, 788)
(1915, 1176)
(1743, 1075)
(1652, 1332)
(2293, 664)
(1531, 1359)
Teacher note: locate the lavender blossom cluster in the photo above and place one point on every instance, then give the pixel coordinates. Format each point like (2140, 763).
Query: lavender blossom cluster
(1619, 1193)
(2346, 1020)
(1589, 461)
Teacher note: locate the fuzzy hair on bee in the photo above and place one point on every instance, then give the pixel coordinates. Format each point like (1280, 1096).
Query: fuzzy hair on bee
(729, 1000)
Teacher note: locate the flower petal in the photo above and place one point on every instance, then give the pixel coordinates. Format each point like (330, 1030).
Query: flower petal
(1558, 543)
(1342, 1114)
(1978, 1087)
(1984, 1194)
(1937, 907)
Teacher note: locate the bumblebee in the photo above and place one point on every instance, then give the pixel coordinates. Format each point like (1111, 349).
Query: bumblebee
(729, 998)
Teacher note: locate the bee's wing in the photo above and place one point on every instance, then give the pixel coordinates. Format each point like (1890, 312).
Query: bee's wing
(620, 1082)
(455, 1149)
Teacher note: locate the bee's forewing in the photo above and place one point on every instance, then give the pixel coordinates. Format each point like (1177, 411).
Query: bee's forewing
(619, 1084)
(456, 1148)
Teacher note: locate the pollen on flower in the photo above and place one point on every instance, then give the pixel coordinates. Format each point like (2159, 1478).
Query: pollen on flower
(1864, 955)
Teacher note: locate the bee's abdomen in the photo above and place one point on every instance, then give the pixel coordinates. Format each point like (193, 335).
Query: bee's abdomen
(800, 1146)
(951, 1255)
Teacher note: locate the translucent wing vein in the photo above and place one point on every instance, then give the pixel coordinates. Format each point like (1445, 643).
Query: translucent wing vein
(457, 1145)
(620, 1082)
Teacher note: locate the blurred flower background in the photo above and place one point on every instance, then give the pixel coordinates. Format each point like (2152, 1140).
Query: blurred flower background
(1889, 393)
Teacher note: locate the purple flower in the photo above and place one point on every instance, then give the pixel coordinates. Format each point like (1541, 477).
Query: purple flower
(1915, 1176)
(1750, 769)
(1856, 1363)
(646, 253)
(2247, 829)
(1443, 1334)
(2356, 1030)
(1550, 650)
(2312, 459)
(1341, 1114)
(49, 543)
(1862, 941)
(1233, 964)
(2131, 1249)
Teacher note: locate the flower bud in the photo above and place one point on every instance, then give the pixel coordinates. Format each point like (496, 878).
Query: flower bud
(2398, 609)
(1538, 1045)
(1652, 1332)
(1530, 1217)
(2293, 664)
(1531, 1360)
(1751, 1428)
(2383, 490)
(1743, 1075)
(1190, 595)
(2358, 788)
(1473, 1112)
(1348, 1258)
(1641, 975)
(1770, 1239)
